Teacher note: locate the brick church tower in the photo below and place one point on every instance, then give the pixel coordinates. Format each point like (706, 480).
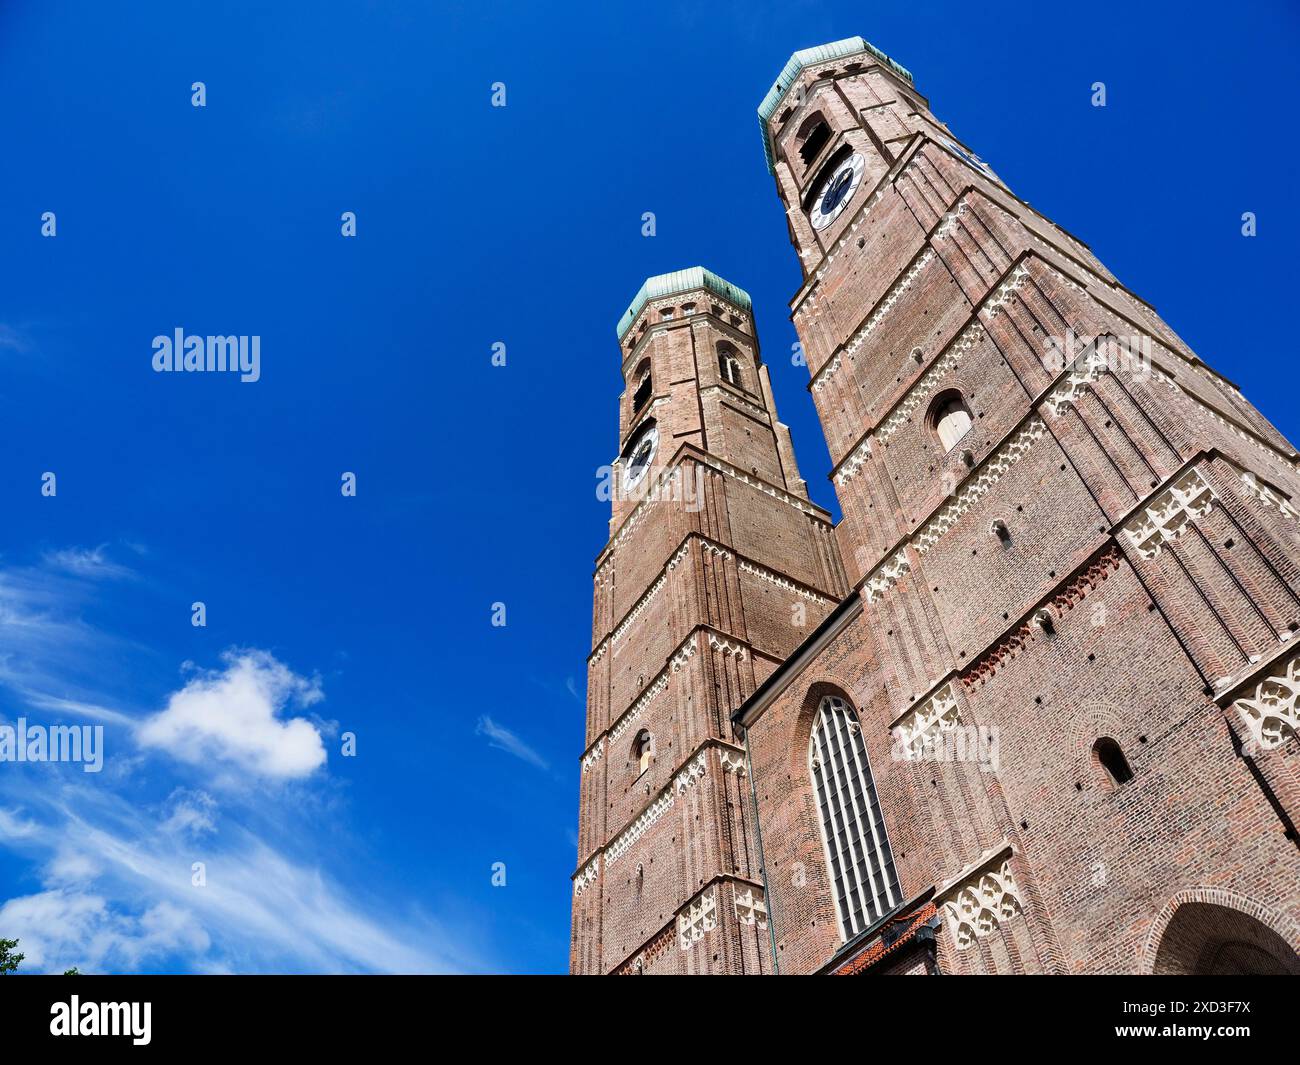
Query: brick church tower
(716, 568)
(1043, 715)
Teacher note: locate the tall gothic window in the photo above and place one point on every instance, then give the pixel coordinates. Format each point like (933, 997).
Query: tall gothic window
(952, 420)
(863, 879)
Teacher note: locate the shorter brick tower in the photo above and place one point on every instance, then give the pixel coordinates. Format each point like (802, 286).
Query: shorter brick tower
(717, 566)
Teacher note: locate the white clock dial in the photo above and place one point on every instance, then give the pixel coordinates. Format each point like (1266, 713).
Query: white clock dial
(836, 191)
(640, 457)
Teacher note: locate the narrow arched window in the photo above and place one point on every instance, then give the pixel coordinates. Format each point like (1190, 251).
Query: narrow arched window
(728, 366)
(643, 387)
(642, 750)
(951, 419)
(863, 880)
(1112, 760)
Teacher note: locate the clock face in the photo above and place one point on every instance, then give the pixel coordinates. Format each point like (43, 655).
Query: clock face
(836, 191)
(640, 457)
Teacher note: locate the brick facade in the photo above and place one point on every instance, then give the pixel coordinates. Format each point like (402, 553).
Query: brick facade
(1102, 572)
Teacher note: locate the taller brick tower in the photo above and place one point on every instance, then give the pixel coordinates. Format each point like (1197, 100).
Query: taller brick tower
(717, 566)
(1075, 561)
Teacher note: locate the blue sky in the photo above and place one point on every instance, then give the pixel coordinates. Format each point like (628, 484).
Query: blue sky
(475, 484)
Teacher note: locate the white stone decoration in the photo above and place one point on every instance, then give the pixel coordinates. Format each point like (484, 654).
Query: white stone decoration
(738, 474)
(1082, 376)
(621, 726)
(1268, 497)
(923, 724)
(1002, 296)
(1170, 514)
(700, 917)
(972, 335)
(678, 661)
(732, 761)
(639, 827)
(593, 756)
(976, 486)
(726, 646)
(692, 772)
(981, 904)
(640, 606)
(886, 305)
(950, 219)
(731, 397)
(891, 571)
(782, 582)
(751, 907)
(586, 876)
(1272, 712)
(856, 460)
(680, 554)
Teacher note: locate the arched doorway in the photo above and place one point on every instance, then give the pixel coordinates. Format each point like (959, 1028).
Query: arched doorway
(1204, 939)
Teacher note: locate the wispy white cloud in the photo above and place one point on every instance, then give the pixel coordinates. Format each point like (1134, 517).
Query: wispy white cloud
(505, 740)
(112, 859)
(235, 717)
(190, 813)
(61, 928)
(87, 562)
(119, 893)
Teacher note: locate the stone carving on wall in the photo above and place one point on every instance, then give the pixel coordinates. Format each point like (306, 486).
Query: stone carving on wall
(1170, 514)
(1082, 376)
(751, 907)
(699, 917)
(692, 772)
(732, 761)
(586, 877)
(1008, 288)
(1268, 497)
(889, 574)
(982, 903)
(939, 713)
(726, 646)
(782, 582)
(621, 726)
(639, 827)
(1272, 711)
(856, 460)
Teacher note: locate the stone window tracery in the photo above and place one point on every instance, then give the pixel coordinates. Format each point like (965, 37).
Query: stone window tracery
(864, 882)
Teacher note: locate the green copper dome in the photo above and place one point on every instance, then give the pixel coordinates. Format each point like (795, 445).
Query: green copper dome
(681, 281)
(805, 58)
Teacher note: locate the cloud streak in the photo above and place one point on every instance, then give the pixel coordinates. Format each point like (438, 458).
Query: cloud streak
(505, 740)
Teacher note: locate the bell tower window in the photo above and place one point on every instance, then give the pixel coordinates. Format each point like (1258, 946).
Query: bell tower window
(643, 388)
(813, 138)
(729, 365)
